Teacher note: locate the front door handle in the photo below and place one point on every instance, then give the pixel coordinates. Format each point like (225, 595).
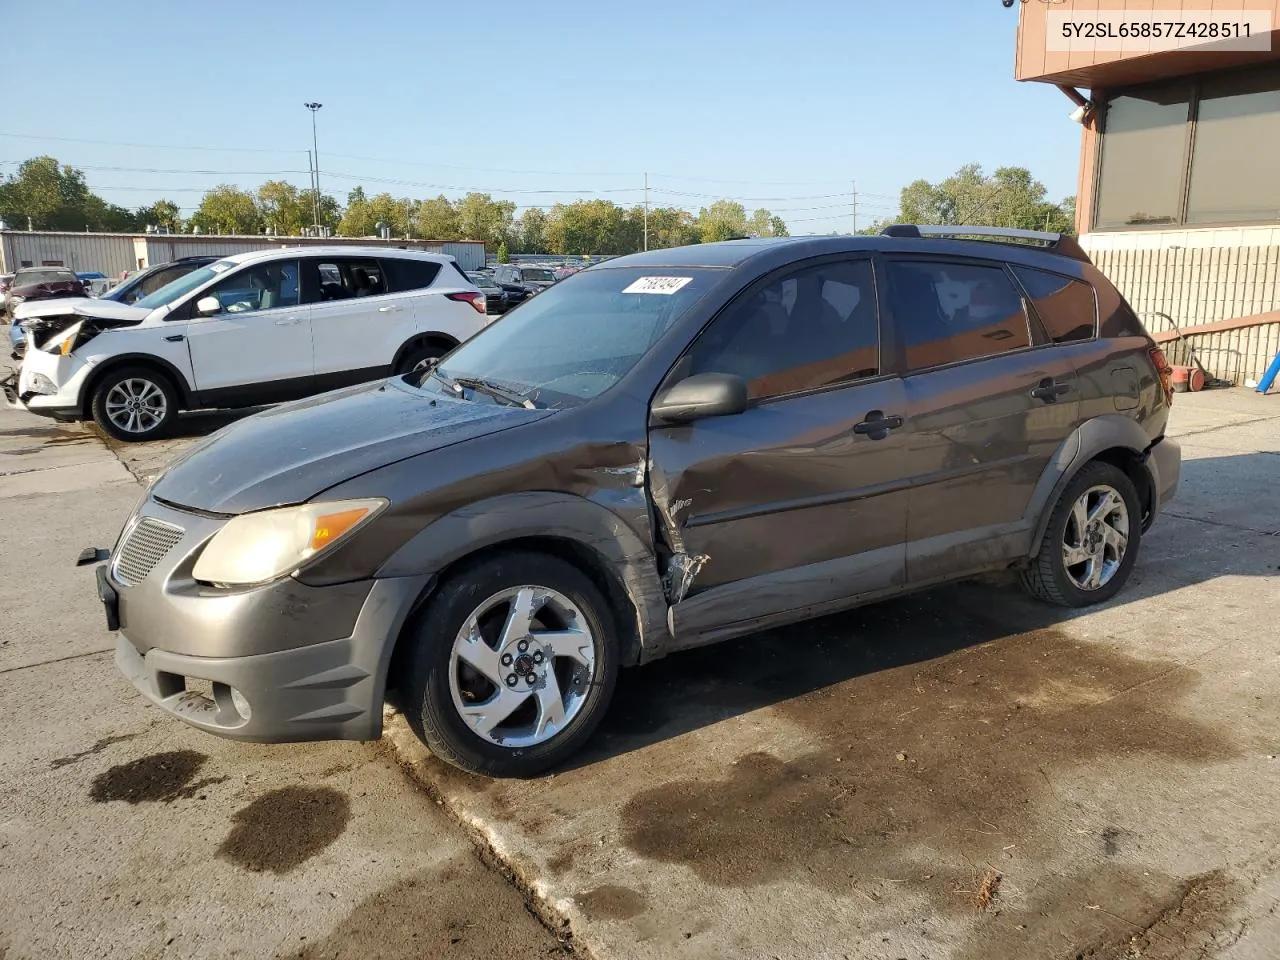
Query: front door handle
(876, 425)
(289, 322)
(394, 308)
(1049, 390)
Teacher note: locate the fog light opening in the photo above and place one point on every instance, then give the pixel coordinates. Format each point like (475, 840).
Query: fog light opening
(241, 704)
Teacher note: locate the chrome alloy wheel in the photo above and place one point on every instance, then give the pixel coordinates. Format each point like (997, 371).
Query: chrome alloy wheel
(136, 405)
(521, 666)
(1096, 537)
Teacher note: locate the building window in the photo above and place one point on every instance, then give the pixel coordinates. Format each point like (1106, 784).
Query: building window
(1237, 143)
(1231, 124)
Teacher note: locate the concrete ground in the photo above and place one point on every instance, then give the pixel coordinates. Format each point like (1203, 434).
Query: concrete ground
(961, 774)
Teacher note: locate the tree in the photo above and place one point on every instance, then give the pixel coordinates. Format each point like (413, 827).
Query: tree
(533, 228)
(671, 227)
(438, 220)
(480, 217)
(227, 209)
(1010, 197)
(722, 220)
(284, 209)
(503, 255)
(162, 213)
(357, 220)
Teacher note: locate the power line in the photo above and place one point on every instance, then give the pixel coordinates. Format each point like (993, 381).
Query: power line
(146, 146)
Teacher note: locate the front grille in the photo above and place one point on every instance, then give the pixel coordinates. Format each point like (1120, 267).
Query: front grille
(143, 547)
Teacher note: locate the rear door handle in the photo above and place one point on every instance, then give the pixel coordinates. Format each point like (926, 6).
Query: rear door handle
(1049, 390)
(394, 308)
(877, 425)
(288, 321)
(175, 338)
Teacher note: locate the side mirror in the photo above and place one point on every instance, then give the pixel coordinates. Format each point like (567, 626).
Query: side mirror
(699, 396)
(208, 306)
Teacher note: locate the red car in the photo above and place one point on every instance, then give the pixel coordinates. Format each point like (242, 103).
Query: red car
(42, 283)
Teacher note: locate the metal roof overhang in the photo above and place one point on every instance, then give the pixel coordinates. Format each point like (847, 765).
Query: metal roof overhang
(1129, 70)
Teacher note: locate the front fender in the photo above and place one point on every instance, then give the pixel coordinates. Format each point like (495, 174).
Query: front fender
(564, 516)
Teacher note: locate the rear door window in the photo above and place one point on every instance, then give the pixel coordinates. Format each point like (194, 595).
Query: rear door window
(404, 274)
(345, 278)
(949, 312)
(1066, 307)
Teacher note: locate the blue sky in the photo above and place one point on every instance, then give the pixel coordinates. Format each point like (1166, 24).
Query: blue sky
(781, 105)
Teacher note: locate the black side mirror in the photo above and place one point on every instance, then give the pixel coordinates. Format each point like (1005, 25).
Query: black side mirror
(702, 395)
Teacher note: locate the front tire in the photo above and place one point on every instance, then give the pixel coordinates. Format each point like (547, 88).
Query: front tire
(418, 358)
(512, 665)
(1091, 543)
(135, 404)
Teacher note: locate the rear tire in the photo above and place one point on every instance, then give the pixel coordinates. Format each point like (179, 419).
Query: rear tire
(135, 404)
(512, 665)
(1091, 542)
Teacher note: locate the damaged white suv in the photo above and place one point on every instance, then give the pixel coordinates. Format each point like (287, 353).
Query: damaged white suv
(253, 328)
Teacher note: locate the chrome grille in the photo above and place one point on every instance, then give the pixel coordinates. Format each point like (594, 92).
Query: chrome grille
(144, 546)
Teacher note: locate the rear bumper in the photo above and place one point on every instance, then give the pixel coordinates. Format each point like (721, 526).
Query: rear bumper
(1164, 462)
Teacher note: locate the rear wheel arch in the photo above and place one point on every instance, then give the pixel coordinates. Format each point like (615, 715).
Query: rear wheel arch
(433, 340)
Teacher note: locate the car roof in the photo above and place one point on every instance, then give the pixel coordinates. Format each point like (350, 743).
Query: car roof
(728, 254)
(253, 256)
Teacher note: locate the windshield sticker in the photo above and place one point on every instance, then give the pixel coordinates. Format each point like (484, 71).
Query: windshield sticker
(663, 285)
(221, 266)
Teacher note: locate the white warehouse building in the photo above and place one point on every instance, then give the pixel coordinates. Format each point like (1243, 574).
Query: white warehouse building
(115, 253)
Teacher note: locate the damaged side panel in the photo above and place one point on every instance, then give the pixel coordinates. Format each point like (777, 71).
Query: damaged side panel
(679, 567)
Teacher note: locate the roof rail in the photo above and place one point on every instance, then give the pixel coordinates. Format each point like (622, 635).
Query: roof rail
(1055, 242)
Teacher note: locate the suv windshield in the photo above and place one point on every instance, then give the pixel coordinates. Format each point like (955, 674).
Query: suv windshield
(537, 275)
(580, 337)
(174, 289)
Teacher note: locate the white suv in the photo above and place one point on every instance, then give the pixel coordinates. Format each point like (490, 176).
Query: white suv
(251, 329)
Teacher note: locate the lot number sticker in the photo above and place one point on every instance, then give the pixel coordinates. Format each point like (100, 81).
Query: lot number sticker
(663, 285)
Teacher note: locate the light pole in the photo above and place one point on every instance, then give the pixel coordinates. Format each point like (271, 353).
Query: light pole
(315, 153)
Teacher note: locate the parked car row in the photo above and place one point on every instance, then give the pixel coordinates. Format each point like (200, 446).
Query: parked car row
(244, 330)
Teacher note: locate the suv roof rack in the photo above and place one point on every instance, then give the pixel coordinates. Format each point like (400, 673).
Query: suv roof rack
(1055, 242)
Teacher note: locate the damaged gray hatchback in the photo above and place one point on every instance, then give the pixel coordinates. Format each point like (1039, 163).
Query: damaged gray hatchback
(663, 451)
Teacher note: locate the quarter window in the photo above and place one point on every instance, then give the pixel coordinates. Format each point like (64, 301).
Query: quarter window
(404, 274)
(951, 312)
(264, 286)
(811, 328)
(1066, 307)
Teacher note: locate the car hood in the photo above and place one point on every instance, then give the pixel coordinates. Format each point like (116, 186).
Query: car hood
(49, 308)
(101, 309)
(291, 453)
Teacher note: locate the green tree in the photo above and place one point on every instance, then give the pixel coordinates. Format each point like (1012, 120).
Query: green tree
(438, 220)
(55, 197)
(284, 209)
(162, 213)
(722, 220)
(533, 229)
(228, 209)
(503, 255)
(357, 220)
(671, 227)
(1010, 197)
(480, 217)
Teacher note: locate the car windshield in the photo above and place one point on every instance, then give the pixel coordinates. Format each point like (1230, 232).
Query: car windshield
(576, 340)
(539, 275)
(43, 276)
(174, 289)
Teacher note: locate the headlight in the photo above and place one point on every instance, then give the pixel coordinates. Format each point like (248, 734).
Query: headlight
(258, 547)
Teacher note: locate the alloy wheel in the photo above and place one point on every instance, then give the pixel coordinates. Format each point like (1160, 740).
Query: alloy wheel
(1096, 537)
(521, 666)
(136, 405)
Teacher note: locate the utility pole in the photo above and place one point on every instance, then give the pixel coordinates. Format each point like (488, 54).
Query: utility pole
(855, 206)
(646, 211)
(315, 153)
(311, 175)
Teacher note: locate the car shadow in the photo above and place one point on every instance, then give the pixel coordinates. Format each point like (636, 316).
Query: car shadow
(697, 688)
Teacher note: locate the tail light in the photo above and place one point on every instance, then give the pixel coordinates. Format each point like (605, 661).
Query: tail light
(1164, 371)
(473, 297)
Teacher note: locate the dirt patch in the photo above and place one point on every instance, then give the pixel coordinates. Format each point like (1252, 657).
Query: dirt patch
(924, 772)
(612, 903)
(284, 828)
(160, 778)
(460, 910)
(98, 747)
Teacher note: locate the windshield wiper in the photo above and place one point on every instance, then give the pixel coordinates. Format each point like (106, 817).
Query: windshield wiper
(497, 391)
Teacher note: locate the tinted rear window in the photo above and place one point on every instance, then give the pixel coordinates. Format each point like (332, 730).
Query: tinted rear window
(405, 274)
(1065, 306)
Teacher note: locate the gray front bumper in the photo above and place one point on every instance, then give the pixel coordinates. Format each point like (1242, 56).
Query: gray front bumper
(311, 662)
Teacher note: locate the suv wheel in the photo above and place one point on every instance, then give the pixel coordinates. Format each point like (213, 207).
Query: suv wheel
(135, 403)
(419, 358)
(1091, 543)
(512, 666)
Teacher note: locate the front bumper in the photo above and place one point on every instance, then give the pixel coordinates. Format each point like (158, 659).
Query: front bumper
(68, 376)
(310, 663)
